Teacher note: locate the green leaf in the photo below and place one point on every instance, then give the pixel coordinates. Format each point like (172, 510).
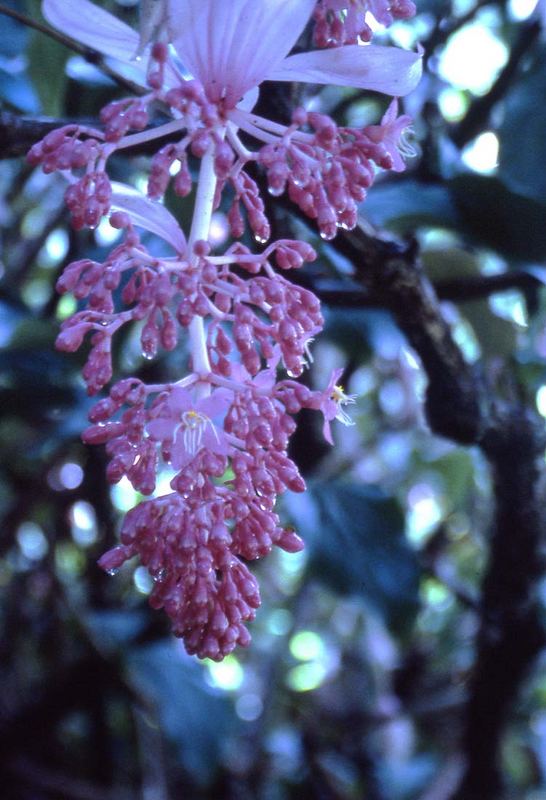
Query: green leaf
(47, 59)
(523, 144)
(500, 218)
(405, 205)
(450, 262)
(195, 717)
(356, 544)
(457, 471)
(497, 336)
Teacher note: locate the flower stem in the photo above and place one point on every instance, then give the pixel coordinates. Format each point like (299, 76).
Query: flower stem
(202, 213)
(152, 133)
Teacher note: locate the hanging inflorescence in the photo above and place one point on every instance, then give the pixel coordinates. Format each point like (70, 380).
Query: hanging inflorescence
(223, 428)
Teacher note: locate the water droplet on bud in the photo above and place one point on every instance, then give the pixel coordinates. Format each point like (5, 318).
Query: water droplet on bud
(327, 235)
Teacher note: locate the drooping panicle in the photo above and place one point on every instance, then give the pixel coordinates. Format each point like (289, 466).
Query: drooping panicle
(223, 428)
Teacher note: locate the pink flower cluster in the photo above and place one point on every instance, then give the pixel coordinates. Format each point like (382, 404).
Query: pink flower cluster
(223, 429)
(326, 170)
(229, 453)
(339, 22)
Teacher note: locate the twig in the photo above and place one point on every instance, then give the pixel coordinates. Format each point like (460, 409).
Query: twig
(461, 290)
(18, 134)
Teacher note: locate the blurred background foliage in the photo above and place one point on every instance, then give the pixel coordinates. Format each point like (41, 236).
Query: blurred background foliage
(355, 683)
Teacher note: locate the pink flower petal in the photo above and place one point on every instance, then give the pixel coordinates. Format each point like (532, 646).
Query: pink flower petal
(217, 403)
(265, 379)
(214, 440)
(231, 45)
(327, 432)
(389, 70)
(161, 428)
(179, 453)
(334, 377)
(148, 214)
(180, 400)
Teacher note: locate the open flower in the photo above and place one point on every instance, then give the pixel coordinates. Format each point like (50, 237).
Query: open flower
(187, 423)
(231, 47)
(332, 402)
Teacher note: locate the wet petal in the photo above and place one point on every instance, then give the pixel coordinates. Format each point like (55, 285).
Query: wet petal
(389, 70)
(148, 214)
(231, 46)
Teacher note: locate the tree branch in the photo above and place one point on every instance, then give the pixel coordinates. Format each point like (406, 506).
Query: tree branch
(393, 274)
(460, 290)
(18, 134)
(512, 438)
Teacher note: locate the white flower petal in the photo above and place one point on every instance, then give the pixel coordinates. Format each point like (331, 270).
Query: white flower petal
(249, 100)
(148, 214)
(98, 29)
(230, 45)
(389, 70)
(93, 26)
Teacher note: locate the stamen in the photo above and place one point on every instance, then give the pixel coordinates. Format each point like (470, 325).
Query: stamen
(194, 424)
(338, 396)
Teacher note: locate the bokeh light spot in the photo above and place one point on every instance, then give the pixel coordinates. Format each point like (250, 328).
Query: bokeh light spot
(482, 154)
(70, 475)
(248, 707)
(473, 58)
(83, 523)
(227, 674)
(306, 677)
(306, 645)
(31, 540)
(143, 580)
